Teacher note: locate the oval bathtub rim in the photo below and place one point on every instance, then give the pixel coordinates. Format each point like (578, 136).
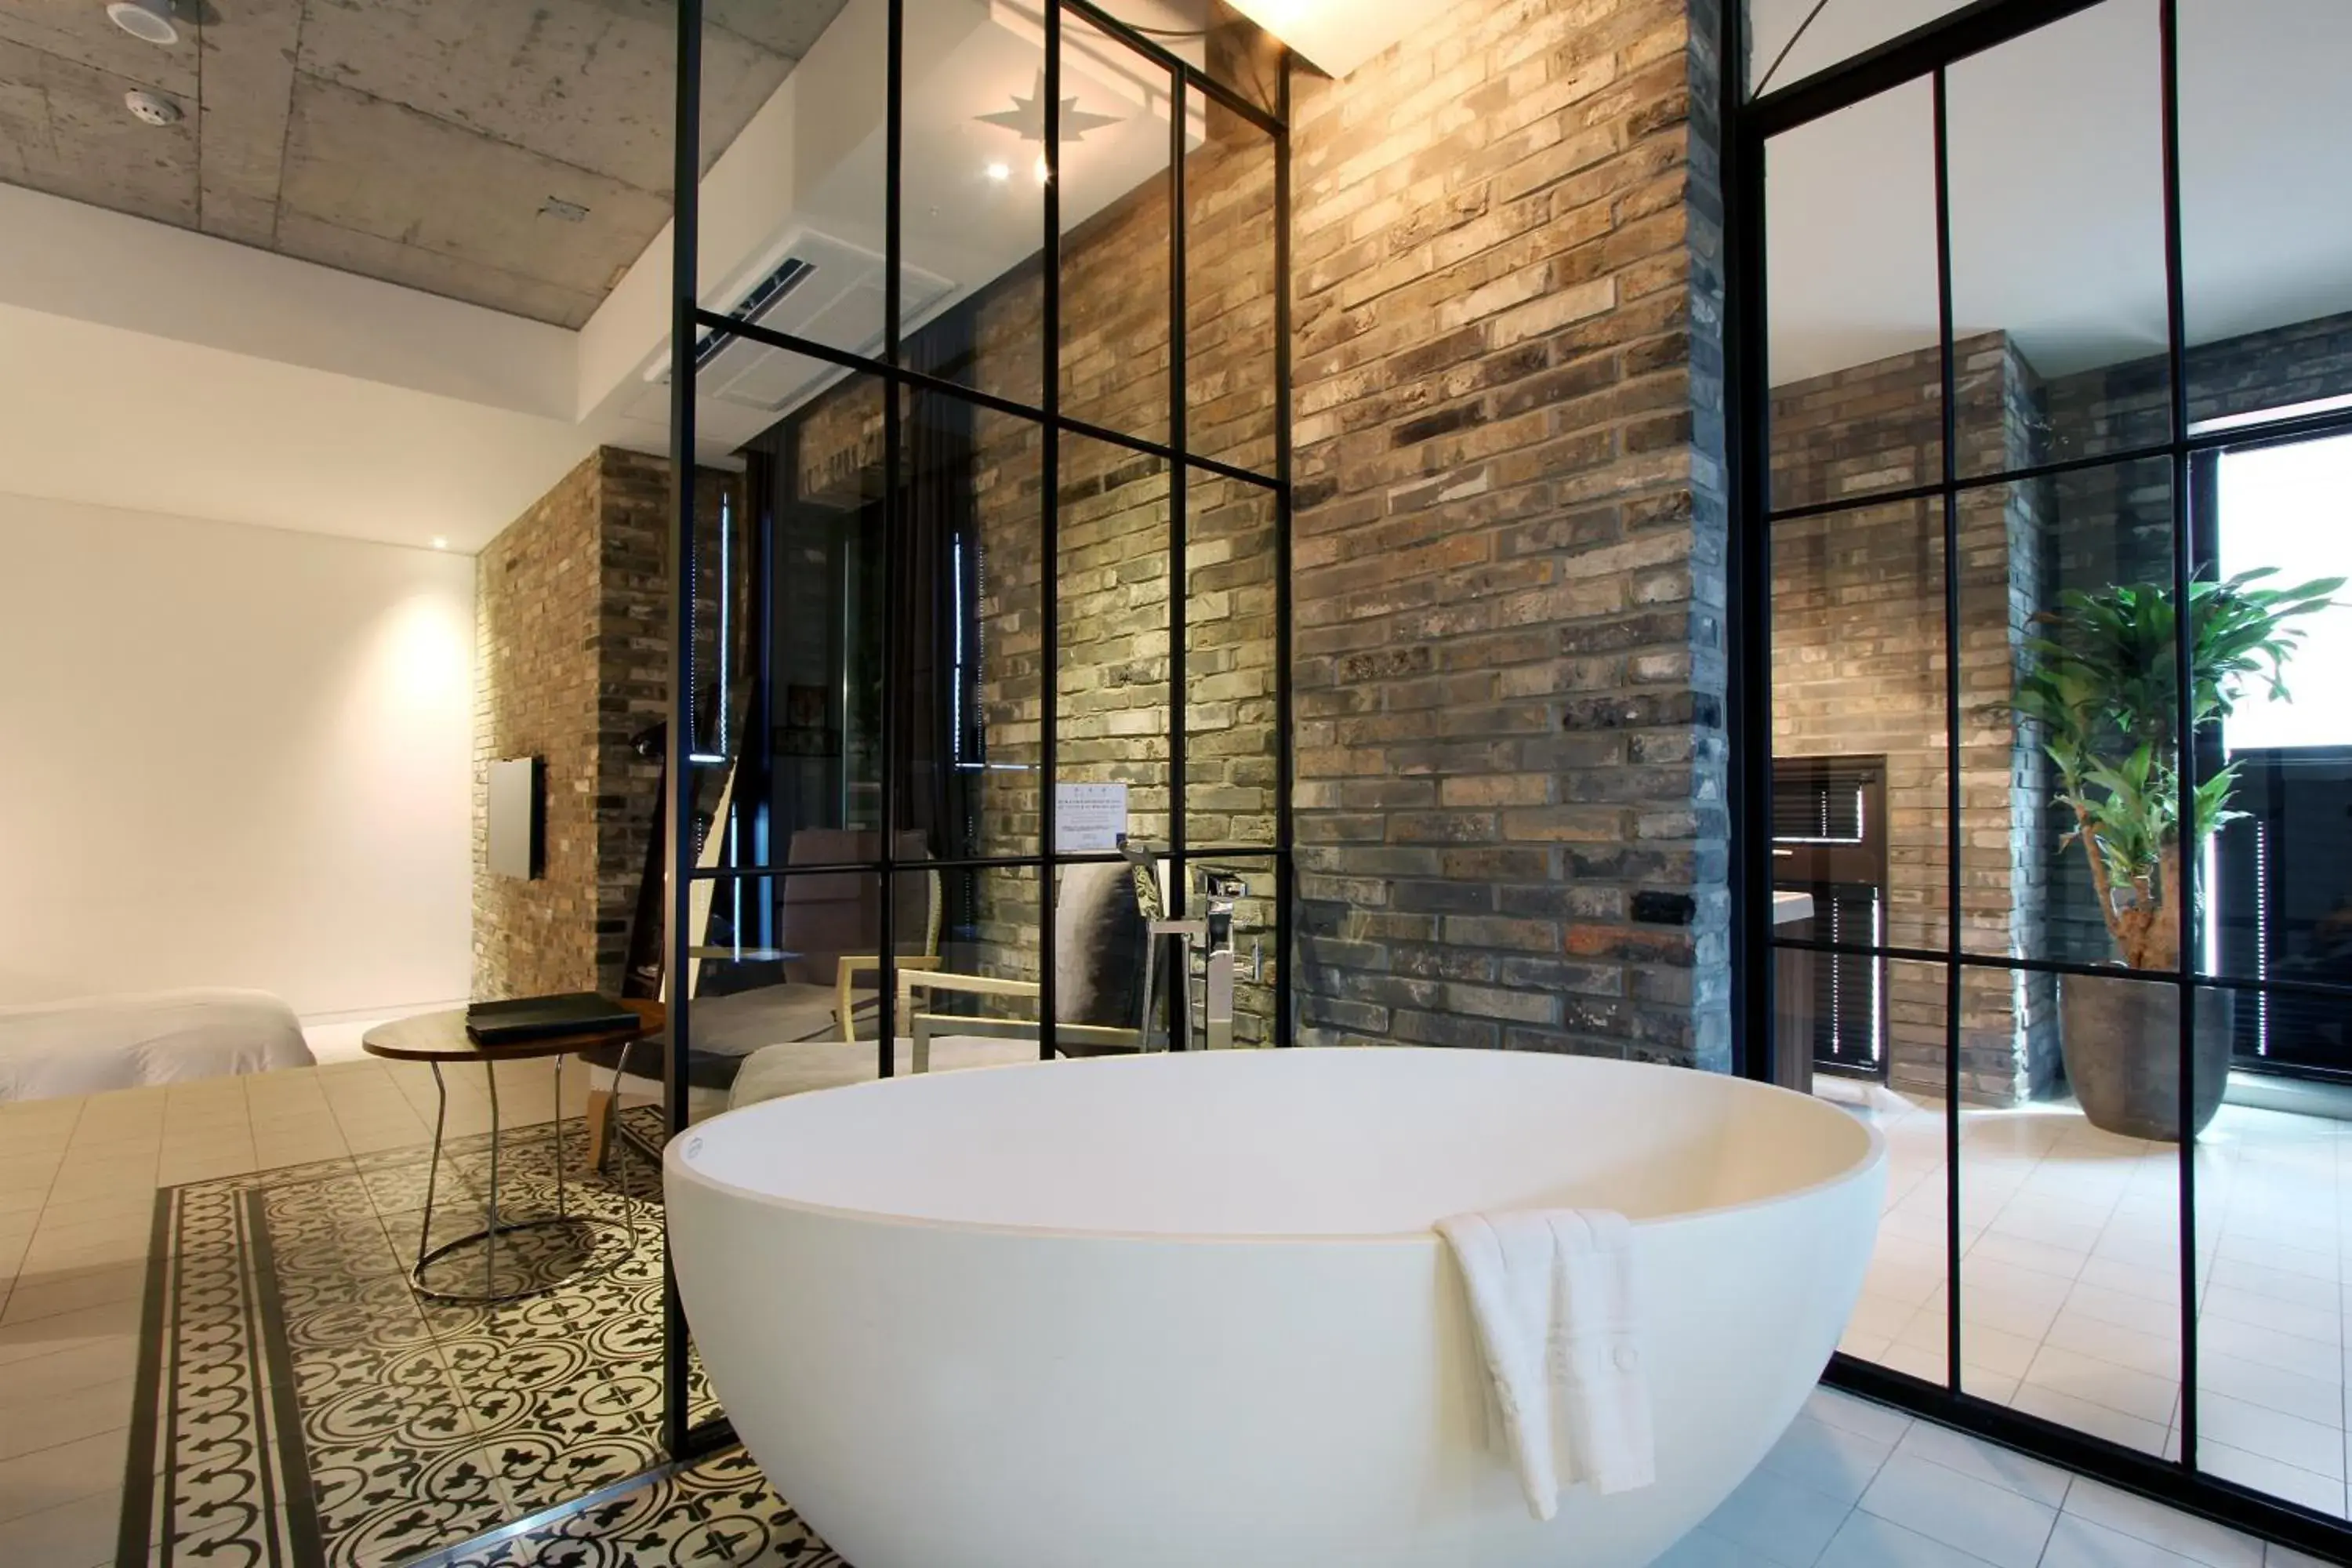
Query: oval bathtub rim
(1874, 1156)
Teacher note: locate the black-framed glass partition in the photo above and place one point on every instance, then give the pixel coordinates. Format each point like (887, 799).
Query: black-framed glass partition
(2042, 346)
(979, 582)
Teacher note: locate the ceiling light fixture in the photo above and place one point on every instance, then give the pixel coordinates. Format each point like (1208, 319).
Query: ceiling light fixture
(1026, 118)
(149, 21)
(557, 208)
(152, 108)
(1000, 172)
(439, 542)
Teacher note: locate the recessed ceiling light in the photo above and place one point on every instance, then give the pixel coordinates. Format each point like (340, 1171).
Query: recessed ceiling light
(152, 107)
(439, 542)
(149, 21)
(557, 208)
(999, 170)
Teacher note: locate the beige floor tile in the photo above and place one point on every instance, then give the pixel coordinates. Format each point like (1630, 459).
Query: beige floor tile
(53, 1335)
(47, 1294)
(29, 1426)
(88, 1365)
(77, 1534)
(48, 1255)
(62, 1473)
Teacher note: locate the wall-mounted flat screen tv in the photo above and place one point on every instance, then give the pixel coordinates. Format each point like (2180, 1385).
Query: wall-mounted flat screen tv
(513, 829)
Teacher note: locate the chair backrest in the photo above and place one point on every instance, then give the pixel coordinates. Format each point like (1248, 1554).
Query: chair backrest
(826, 916)
(1102, 912)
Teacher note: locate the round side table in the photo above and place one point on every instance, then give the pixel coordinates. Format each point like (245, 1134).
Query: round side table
(438, 1039)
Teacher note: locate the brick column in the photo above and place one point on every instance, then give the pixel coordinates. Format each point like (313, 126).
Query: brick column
(1510, 537)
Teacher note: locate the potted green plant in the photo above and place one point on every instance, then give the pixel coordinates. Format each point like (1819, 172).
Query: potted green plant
(2102, 684)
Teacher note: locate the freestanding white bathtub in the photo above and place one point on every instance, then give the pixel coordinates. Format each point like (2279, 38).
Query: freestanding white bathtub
(1188, 1310)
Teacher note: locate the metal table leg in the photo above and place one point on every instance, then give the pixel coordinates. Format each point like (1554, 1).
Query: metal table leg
(493, 1227)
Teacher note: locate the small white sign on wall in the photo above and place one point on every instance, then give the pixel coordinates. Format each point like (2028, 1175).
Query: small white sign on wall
(1088, 817)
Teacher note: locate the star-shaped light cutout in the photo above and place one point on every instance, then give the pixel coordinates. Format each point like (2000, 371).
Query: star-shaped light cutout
(1027, 117)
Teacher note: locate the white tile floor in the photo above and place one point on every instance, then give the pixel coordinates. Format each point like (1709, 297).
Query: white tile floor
(1854, 1485)
(2070, 1279)
(1851, 1486)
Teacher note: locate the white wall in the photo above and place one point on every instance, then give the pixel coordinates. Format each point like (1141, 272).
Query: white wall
(232, 755)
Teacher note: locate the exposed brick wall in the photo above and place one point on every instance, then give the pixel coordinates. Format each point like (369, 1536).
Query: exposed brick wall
(1858, 669)
(537, 599)
(1510, 532)
(572, 607)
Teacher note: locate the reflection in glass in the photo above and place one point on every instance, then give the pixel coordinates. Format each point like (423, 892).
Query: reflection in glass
(970, 631)
(1791, 39)
(2058, 277)
(1232, 746)
(1852, 302)
(972, 199)
(2278, 761)
(810, 730)
(1115, 190)
(2266, 273)
(1229, 291)
(1861, 806)
(1111, 572)
(1899, 1320)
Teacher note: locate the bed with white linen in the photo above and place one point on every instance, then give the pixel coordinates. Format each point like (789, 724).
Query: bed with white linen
(95, 1043)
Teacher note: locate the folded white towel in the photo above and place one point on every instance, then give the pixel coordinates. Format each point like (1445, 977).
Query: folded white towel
(1556, 1298)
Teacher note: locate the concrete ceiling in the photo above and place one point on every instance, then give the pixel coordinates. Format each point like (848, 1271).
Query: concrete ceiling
(418, 142)
(2057, 194)
(156, 367)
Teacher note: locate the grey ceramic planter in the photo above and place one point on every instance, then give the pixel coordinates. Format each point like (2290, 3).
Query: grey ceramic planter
(2121, 1039)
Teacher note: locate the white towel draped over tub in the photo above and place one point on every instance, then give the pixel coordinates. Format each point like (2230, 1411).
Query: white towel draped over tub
(1556, 1298)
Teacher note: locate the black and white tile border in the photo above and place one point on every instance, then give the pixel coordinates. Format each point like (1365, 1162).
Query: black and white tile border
(300, 1407)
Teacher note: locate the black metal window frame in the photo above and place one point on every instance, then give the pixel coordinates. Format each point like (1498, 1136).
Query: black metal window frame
(693, 327)
(1926, 53)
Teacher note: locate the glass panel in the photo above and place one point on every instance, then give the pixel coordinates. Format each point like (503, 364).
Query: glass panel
(1232, 746)
(2058, 282)
(2276, 901)
(1236, 52)
(1859, 751)
(1899, 1321)
(2267, 272)
(1236, 895)
(792, 217)
(2047, 560)
(2069, 1285)
(799, 760)
(1229, 290)
(1116, 233)
(973, 204)
(1112, 713)
(987, 930)
(969, 630)
(2026, 549)
(2270, 1306)
(1854, 322)
(1791, 39)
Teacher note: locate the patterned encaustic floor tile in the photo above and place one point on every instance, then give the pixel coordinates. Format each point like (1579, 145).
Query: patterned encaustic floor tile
(302, 1405)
